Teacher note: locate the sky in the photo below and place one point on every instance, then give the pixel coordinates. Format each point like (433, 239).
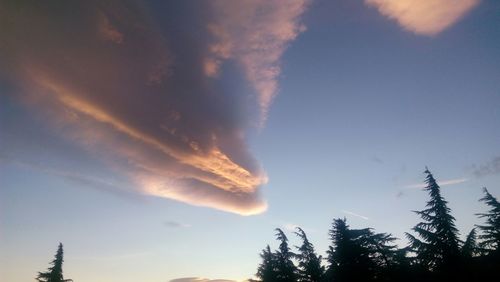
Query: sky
(165, 140)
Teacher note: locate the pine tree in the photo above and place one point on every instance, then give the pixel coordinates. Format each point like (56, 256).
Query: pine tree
(310, 268)
(286, 270)
(438, 248)
(349, 257)
(469, 248)
(54, 273)
(490, 237)
(267, 269)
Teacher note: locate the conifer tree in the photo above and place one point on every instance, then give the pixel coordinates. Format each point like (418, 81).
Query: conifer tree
(349, 257)
(490, 237)
(286, 270)
(309, 268)
(267, 269)
(54, 273)
(469, 248)
(438, 248)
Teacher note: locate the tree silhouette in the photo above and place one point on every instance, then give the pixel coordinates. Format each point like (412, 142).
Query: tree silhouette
(286, 270)
(267, 269)
(54, 273)
(358, 254)
(309, 267)
(439, 247)
(469, 248)
(491, 231)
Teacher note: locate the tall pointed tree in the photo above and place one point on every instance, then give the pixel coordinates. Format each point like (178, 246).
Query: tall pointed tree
(309, 268)
(286, 270)
(490, 237)
(438, 247)
(54, 273)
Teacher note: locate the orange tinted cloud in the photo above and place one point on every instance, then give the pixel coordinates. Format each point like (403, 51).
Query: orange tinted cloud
(426, 17)
(141, 97)
(255, 34)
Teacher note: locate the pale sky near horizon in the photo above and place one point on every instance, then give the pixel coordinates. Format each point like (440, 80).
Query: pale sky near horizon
(166, 140)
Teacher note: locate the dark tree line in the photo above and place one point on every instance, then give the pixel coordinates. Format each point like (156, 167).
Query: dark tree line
(435, 251)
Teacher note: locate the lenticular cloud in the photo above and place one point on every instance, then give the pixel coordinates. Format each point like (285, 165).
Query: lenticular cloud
(425, 17)
(145, 88)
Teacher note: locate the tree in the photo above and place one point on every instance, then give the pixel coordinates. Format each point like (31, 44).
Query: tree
(310, 268)
(267, 269)
(490, 237)
(286, 270)
(438, 248)
(469, 248)
(54, 273)
(349, 257)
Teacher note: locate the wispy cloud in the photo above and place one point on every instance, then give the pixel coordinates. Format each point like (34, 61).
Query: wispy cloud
(355, 214)
(156, 116)
(255, 33)
(425, 17)
(440, 183)
(175, 224)
(489, 168)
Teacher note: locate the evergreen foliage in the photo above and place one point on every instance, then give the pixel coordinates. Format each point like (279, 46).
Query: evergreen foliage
(359, 254)
(438, 247)
(469, 248)
(490, 237)
(285, 269)
(267, 269)
(54, 273)
(309, 263)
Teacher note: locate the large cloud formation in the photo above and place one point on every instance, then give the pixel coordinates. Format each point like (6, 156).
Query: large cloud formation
(152, 89)
(426, 17)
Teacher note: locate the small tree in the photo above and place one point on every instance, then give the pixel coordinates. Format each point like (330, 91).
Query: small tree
(54, 273)
(490, 237)
(469, 248)
(310, 268)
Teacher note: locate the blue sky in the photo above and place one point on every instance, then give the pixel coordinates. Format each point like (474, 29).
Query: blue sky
(168, 140)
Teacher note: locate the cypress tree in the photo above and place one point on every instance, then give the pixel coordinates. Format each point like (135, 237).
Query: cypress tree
(438, 248)
(309, 268)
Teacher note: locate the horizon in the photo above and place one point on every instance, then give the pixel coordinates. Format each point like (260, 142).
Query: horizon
(165, 141)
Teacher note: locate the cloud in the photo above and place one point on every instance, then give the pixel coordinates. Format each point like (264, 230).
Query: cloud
(197, 279)
(132, 88)
(424, 17)
(355, 214)
(255, 33)
(489, 168)
(175, 224)
(440, 183)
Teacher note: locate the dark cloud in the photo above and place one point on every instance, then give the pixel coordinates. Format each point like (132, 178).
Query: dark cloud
(489, 168)
(146, 87)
